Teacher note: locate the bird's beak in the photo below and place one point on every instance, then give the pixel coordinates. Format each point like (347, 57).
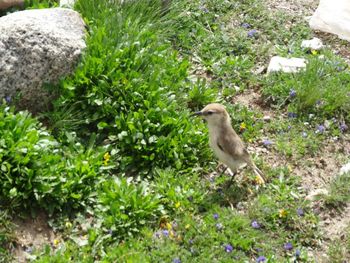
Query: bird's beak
(198, 113)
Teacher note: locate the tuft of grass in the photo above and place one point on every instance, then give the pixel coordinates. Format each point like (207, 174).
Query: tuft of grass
(339, 250)
(322, 89)
(339, 193)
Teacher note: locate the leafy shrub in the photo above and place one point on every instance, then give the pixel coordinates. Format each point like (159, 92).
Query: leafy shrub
(37, 170)
(128, 206)
(132, 88)
(23, 143)
(69, 180)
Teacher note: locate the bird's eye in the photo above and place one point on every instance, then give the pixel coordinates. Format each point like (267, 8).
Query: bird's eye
(210, 112)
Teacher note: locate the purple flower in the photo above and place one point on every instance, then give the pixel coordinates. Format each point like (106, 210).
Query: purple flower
(8, 99)
(204, 9)
(219, 226)
(165, 233)
(321, 128)
(255, 224)
(29, 250)
(300, 211)
(297, 253)
(343, 127)
(292, 93)
(228, 248)
(252, 33)
(245, 25)
(260, 259)
(288, 246)
(267, 142)
(157, 234)
(292, 115)
(191, 241)
(216, 216)
(176, 260)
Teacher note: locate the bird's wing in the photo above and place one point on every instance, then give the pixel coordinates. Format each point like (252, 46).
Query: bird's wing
(232, 145)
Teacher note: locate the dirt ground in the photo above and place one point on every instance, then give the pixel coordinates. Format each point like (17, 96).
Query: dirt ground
(31, 234)
(316, 172)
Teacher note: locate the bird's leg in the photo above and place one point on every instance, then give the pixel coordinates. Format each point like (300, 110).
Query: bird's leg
(233, 175)
(218, 167)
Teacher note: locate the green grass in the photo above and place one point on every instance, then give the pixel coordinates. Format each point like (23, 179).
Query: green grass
(339, 194)
(339, 249)
(7, 236)
(126, 173)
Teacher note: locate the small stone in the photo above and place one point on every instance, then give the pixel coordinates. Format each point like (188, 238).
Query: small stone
(313, 44)
(327, 124)
(267, 118)
(288, 65)
(345, 169)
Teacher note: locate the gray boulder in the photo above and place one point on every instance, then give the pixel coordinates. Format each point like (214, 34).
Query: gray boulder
(38, 47)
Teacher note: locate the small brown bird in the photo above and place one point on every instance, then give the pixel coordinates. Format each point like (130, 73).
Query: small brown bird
(225, 142)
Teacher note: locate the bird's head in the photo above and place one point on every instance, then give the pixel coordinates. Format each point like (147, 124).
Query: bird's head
(214, 114)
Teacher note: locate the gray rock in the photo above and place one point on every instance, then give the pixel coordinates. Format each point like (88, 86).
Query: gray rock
(313, 44)
(345, 169)
(37, 47)
(332, 16)
(288, 65)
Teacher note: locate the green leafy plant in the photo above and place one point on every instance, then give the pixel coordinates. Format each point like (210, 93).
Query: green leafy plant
(131, 89)
(128, 206)
(36, 170)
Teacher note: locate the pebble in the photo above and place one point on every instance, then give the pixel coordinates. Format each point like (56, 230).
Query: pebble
(267, 118)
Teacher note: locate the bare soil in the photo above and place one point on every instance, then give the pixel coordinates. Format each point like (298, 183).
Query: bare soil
(31, 234)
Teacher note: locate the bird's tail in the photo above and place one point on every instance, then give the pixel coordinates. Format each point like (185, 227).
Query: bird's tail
(261, 178)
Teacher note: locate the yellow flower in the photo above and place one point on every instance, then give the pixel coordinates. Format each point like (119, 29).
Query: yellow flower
(56, 242)
(177, 205)
(68, 224)
(168, 226)
(258, 180)
(243, 126)
(171, 233)
(314, 52)
(187, 226)
(283, 213)
(106, 158)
